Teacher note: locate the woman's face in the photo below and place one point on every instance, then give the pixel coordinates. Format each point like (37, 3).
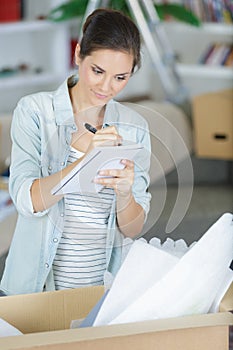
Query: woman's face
(102, 75)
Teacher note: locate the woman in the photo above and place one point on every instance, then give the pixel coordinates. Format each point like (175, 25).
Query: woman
(75, 240)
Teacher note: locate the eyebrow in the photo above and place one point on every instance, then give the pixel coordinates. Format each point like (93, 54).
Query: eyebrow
(102, 70)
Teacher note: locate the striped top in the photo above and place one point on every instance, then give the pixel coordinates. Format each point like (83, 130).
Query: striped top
(81, 255)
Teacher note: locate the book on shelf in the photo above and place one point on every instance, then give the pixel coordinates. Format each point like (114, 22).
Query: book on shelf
(229, 59)
(227, 55)
(10, 11)
(217, 54)
(206, 54)
(220, 11)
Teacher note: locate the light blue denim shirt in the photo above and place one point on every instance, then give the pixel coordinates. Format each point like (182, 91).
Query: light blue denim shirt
(41, 132)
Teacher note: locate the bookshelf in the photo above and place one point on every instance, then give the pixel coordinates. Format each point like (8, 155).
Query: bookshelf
(44, 49)
(32, 59)
(189, 43)
(212, 11)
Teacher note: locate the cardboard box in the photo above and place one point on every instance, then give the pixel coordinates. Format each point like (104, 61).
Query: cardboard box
(213, 125)
(7, 227)
(45, 318)
(5, 141)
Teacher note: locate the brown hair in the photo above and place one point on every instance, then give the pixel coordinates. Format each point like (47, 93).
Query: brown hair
(110, 29)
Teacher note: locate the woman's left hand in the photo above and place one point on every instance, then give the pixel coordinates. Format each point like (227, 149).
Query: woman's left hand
(121, 180)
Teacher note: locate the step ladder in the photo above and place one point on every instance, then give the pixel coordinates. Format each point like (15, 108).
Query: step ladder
(158, 47)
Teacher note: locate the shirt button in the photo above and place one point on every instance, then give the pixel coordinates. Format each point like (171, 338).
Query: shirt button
(62, 214)
(50, 168)
(74, 127)
(55, 240)
(46, 265)
(62, 163)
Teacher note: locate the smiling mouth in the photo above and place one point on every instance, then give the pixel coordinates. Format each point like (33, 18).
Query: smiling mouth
(100, 96)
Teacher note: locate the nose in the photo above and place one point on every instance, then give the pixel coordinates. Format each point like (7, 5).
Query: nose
(105, 84)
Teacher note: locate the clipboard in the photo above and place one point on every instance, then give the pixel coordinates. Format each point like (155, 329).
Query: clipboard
(80, 179)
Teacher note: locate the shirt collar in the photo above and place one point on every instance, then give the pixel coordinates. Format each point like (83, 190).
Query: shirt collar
(111, 115)
(62, 105)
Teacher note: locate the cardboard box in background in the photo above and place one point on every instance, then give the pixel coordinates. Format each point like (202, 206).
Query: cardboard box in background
(47, 317)
(5, 141)
(213, 125)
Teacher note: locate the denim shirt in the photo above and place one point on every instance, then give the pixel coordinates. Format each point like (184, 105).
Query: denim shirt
(41, 132)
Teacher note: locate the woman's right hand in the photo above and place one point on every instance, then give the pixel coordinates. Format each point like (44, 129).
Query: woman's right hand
(105, 137)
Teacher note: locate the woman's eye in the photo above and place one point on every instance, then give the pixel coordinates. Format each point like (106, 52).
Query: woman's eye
(96, 71)
(120, 77)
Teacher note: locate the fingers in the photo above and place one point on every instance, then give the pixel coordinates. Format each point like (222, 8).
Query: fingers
(105, 137)
(107, 140)
(110, 129)
(128, 163)
(121, 180)
(108, 136)
(120, 173)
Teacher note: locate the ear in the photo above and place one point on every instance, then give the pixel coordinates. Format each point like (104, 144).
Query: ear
(77, 52)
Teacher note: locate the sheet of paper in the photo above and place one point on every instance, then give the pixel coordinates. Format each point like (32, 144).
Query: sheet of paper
(143, 265)
(191, 286)
(80, 179)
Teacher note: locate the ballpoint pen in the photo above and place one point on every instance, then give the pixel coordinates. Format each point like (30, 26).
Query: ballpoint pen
(90, 128)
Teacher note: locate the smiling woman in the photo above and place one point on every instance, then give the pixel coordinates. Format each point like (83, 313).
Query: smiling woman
(75, 240)
(102, 75)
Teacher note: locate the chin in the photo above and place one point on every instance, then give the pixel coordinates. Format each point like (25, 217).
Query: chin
(100, 102)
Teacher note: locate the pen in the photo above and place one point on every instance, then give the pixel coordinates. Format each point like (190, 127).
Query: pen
(91, 128)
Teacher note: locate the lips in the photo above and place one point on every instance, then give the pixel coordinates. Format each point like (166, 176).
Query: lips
(100, 96)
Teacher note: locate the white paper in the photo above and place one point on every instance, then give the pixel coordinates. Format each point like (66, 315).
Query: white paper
(80, 179)
(143, 265)
(7, 330)
(192, 285)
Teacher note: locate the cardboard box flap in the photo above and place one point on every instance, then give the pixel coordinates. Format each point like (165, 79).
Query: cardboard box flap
(215, 322)
(227, 301)
(48, 311)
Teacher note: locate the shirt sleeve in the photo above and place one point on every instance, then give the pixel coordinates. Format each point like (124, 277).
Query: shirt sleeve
(25, 157)
(142, 166)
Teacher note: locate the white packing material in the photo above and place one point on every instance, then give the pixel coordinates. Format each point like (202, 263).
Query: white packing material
(143, 265)
(191, 286)
(150, 287)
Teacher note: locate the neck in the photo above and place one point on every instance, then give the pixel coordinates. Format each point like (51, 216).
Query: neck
(93, 116)
(83, 112)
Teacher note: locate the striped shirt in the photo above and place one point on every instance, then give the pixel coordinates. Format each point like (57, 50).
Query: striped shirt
(81, 255)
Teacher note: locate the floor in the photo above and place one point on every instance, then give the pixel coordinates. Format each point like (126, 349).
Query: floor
(207, 204)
